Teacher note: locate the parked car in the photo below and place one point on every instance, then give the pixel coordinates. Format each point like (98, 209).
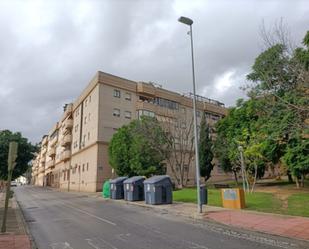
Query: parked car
(13, 184)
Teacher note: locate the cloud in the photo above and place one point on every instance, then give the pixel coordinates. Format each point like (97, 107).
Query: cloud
(51, 49)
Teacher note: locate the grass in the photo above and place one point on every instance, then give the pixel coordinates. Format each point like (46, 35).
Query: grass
(298, 204)
(259, 201)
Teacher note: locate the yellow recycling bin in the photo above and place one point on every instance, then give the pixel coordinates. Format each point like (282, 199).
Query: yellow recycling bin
(233, 198)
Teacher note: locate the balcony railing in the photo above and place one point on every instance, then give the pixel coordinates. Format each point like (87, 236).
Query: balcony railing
(66, 155)
(67, 139)
(68, 123)
(53, 141)
(52, 152)
(45, 140)
(43, 159)
(50, 164)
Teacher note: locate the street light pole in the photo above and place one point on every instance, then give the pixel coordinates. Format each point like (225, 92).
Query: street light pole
(189, 22)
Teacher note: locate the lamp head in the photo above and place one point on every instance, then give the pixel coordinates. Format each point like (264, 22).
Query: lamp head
(185, 20)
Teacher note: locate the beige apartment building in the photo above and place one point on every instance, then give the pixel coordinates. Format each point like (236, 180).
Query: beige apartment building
(74, 155)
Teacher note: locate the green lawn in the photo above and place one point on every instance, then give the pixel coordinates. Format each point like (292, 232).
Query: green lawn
(264, 202)
(299, 204)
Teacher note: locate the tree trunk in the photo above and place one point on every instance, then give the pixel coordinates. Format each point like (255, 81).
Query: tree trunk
(290, 177)
(255, 176)
(235, 176)
(303, 180)
(297, 182)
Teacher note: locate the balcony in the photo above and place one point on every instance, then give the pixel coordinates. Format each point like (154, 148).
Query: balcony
(43, 159)
(144, 105)
(41, 170)
(68, 123)
(67, 139)
(45, 140)
(43, 150)
(52, 152)
(50, 163)
(66, 155)
(53, 141)
(146, 88)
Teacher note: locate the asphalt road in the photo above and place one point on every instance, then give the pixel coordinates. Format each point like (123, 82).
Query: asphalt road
(60, 220)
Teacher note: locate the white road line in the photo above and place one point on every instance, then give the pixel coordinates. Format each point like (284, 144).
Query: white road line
(89, 214)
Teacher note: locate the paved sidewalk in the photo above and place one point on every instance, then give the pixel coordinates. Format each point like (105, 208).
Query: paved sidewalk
(16, 236)
(287, 226)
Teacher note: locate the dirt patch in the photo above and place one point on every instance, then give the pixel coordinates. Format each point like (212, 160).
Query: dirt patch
(282, 192)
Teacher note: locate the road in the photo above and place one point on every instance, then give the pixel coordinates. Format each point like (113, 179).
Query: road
(61, 220)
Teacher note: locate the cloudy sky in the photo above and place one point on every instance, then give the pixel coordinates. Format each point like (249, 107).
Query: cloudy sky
(49, 50)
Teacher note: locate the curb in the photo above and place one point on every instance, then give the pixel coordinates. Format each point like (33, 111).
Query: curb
(22, 216)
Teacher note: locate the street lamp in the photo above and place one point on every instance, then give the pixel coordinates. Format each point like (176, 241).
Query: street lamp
(188, 21)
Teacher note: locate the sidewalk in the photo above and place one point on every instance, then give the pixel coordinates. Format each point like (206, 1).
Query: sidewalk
(16, 236)
(282, 225)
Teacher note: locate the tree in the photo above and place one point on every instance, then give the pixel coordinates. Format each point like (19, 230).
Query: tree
(138, 148)
(240, 128)
(205, 150)
(281, 79)
(25, 153)
(180, 141)
(297, 159)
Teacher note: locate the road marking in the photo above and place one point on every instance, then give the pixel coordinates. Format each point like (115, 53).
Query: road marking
(123, 237)
(91, 215)
(61, 245)
(194, 245)
(95, 243)
(92, 244)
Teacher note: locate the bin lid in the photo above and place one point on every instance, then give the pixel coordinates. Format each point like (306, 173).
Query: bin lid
(118, 179)
(158, 179)
(134, 179)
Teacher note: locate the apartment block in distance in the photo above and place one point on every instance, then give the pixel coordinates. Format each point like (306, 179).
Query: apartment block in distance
(74, 154)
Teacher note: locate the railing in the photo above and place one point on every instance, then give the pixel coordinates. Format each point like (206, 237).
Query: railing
(67, 139)
(66, 155)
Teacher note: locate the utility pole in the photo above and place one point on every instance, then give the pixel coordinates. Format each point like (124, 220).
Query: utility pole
(11, 165)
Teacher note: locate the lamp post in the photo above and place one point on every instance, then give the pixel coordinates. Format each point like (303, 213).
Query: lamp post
(188, 21)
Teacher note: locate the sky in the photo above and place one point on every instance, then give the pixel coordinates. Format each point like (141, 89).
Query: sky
(49, 50)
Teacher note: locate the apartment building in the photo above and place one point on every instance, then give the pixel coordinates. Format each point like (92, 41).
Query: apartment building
(74, 155)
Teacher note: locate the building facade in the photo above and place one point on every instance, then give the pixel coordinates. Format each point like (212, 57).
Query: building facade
(74, 155)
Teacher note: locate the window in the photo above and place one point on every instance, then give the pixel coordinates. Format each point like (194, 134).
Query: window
(89, 117)
(127, 114)
(183, 110)
(88, 135)
(85, 122)
(198, 113)
(116, 93)
(83, 167)
(166, 103)
(183, 125)
(145, 113)
(128, 96)
(86, 102)
(89, 98)
(87, 166)
(116, 112)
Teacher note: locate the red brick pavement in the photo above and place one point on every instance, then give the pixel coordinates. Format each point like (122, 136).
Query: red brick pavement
(11, 241)
(288, 226)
